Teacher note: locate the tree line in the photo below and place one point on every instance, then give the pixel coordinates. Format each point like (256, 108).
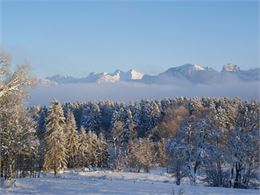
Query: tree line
(216, 138)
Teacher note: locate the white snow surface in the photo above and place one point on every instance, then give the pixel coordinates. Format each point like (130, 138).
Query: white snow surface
(198, 67)
(108, 182)
(118, 75)
(135, 75)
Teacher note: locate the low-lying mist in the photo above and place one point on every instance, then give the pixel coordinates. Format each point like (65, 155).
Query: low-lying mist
(44, 94)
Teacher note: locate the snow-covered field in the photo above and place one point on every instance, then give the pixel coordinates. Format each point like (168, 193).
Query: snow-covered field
(107, 182)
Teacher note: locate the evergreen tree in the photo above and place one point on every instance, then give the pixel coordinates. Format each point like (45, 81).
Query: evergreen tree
(92, 155)
(55, 148)
(91, 118)
(82, 148)
(150, 116)
(71, 140)
(39, 115)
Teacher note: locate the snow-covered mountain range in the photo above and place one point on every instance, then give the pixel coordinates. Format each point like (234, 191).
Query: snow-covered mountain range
(189, 73)
(103, 77)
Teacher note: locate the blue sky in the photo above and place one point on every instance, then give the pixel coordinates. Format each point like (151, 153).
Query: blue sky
(75, 38)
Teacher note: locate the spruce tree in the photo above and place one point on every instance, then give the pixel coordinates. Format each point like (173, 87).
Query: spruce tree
(92, 155)
(55, 150)
(82, 148)
(71, 140)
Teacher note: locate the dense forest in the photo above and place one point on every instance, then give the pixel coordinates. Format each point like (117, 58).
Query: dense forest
(214, 138)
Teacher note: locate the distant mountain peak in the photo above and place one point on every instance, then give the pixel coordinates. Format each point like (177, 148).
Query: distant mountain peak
(186, 69)
(194, 67)
(230, 68)
(135, 75)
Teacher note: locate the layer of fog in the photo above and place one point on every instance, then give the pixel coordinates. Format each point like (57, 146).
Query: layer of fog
(44, 94)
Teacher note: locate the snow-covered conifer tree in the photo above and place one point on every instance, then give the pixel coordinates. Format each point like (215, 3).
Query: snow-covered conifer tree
(71, 140)
(55, 157)
(82, 148)
(91, 117)
(149, 117)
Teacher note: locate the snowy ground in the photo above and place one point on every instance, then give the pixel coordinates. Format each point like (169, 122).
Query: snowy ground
(107, 182)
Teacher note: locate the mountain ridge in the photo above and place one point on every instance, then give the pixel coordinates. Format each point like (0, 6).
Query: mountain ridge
(193, 73)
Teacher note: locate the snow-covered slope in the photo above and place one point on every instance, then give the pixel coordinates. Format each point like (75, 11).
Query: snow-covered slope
(114, 183)
(188, 72)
